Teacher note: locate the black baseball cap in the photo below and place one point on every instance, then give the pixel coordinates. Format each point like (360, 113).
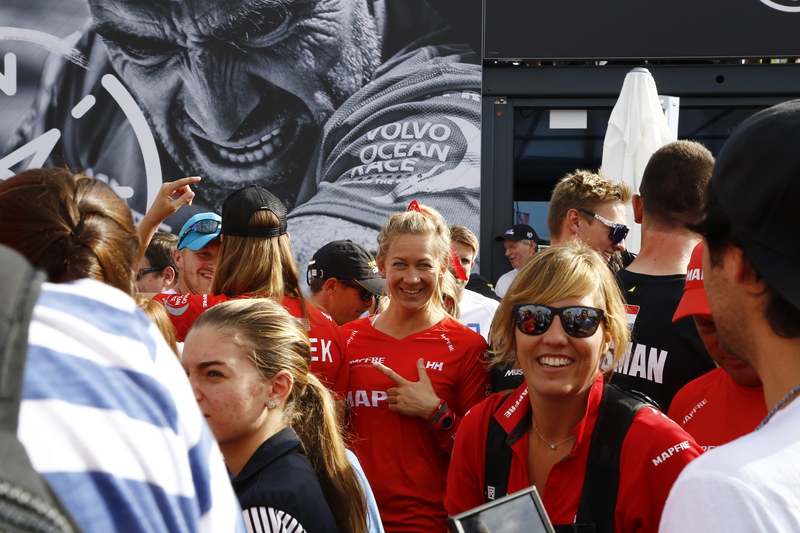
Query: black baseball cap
(519, 232)
(756, 180)
(346, 260)
(240, 205)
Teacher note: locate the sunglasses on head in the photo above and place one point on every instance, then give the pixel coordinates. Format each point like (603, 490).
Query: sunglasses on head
(365, 295)
(206, 227)
(578, 321)
(618, 231)
(145, 271)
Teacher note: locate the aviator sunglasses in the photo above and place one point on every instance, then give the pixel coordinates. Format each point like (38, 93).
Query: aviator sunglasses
(578, 321)
(206, 227)
(618, 231)
(365, 295)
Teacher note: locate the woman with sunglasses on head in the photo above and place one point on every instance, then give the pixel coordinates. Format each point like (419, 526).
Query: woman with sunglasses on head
(248, 362)
(552, 416)
(414, 371)
(256, 261)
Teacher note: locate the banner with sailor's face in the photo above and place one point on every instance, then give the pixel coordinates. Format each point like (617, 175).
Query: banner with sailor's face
(345, 109)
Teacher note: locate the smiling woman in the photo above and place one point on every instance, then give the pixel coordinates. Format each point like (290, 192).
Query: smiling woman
(414, 371)
(559, 318)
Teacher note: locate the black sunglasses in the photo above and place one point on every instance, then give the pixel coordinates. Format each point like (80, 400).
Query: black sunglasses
(578, 321)
(366, 295)
(144, 271)
(618, 231)
(206, 227)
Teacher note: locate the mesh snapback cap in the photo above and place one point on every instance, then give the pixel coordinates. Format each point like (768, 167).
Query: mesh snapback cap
(240, 205)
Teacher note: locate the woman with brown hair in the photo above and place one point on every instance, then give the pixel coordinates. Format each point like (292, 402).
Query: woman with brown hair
(248, 362)
(256, 261)
(71, 226)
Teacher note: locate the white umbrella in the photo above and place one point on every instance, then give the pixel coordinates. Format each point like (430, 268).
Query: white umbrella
(636, 129)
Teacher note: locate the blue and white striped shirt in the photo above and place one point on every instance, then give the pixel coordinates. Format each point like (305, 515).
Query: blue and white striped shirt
(108, 417)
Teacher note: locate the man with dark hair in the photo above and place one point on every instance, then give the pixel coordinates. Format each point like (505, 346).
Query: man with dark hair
(750, 266)
(664, 355)
(158, 271)
(344, 280)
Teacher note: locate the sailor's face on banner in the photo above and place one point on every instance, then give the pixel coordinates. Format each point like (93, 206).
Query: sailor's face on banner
(237, 91)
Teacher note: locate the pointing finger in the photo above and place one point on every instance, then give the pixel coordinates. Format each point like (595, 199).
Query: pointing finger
(389, 373)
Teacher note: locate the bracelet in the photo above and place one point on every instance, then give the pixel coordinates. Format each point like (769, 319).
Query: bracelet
(444, 421)
(437, 413)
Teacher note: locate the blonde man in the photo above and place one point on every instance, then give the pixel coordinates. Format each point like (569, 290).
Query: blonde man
(589, 207)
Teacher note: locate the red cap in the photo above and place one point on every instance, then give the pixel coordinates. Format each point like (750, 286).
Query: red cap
(694, 301)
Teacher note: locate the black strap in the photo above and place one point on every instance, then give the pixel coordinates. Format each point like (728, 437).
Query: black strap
(498, 459)
(26, 501)
(599, 496)
(19, 288)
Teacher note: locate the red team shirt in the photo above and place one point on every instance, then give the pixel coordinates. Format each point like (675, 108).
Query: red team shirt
(715, 410)
(327, 358)
(404, 459)
(654, 452)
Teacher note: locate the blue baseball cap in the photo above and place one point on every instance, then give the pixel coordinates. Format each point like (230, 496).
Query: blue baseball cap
(199, 230)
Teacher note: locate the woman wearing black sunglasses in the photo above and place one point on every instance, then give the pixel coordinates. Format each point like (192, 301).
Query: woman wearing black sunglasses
(557, 322)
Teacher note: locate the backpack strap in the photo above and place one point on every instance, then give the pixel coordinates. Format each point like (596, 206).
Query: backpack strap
(498, 457)
(599, 497)
(26, 501)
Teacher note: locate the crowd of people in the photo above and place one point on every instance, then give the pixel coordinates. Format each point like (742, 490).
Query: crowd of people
(636, 393)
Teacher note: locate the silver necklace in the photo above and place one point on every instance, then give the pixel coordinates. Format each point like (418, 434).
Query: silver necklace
(774, 410)
(552, 446)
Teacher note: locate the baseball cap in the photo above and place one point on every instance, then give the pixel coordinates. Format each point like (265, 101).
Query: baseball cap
(346, 260)
(240, 205)
(519, 232)
(694, 301)
(756, 180)
(196, 233)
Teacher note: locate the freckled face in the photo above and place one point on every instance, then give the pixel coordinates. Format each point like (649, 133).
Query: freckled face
(556, 364)
(228, 388)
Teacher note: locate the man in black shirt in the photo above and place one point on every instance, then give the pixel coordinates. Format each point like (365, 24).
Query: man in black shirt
(664, 356)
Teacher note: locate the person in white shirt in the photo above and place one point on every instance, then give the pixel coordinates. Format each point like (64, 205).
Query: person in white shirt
(477, 311)
(750, 266)
(520, 242)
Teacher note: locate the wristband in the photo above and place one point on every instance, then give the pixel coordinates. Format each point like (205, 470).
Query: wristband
(443, 419)
(437, 413)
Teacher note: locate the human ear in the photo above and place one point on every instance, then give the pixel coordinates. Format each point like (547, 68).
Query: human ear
(637, 203)
(280, 387)
(169, 276)
(574, 221)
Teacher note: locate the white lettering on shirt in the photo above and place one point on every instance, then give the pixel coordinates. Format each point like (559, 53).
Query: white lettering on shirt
(672, 450)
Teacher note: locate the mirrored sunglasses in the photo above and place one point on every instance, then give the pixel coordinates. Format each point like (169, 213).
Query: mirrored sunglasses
(206, 227)
(578, 321)
(618, 231)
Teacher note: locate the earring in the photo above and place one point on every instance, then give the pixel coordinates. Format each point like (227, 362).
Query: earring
(271, 404)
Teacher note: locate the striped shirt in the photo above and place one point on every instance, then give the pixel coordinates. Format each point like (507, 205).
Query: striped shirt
(109, 419)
